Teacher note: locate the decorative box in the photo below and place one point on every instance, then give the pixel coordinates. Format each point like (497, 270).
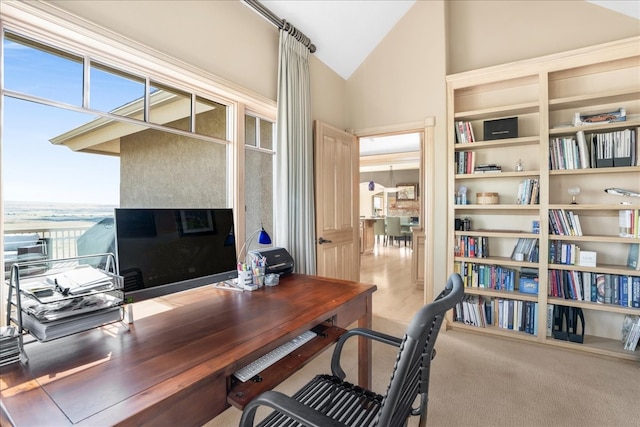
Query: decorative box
(487, 198)
(528, 285)
(501, 128)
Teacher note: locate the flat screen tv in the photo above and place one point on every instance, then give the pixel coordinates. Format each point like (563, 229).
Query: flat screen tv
(161, 251)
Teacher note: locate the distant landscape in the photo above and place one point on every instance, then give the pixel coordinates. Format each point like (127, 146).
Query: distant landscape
(29, 215)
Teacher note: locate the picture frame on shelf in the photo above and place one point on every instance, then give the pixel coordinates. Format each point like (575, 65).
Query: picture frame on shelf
(407, 191)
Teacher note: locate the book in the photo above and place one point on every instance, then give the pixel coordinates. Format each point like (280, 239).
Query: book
(633, 257)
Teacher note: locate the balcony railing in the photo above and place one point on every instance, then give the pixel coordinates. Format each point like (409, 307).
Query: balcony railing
(60, 242)
(54, 243)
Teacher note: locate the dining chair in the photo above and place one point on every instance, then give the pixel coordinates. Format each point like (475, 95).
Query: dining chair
(379, 230)
(394, 230)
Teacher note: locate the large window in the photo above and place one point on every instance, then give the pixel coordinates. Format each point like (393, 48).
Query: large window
(82, 136)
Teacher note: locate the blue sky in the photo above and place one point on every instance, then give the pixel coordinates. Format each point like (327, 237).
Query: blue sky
(34, 169)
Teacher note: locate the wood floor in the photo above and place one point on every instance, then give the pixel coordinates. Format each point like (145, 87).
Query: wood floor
(389, 267)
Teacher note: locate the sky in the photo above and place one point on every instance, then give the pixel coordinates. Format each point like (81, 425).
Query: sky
(34, 169)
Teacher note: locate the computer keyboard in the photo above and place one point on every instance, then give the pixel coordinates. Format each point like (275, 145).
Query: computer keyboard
(262, 363)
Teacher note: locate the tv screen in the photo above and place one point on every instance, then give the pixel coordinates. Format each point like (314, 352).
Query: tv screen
(160, 251)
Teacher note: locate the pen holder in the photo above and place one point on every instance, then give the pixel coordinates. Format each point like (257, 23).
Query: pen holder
(258, 280)
(245, 278)
(258, 276)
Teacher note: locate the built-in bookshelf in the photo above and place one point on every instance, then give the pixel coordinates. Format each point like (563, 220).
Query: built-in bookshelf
(578, 120)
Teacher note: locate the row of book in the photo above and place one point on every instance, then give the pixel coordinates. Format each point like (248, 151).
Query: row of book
(631, 332)
(595, 150)
(464, 132)
(526, 249)
(472, 246)
(528, 192)
(464, 162)
(602, 288)
(479, 311)
(488, 276)
(564, 253)
(564, 223)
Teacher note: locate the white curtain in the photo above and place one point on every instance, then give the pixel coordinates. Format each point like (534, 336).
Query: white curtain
(295, 213)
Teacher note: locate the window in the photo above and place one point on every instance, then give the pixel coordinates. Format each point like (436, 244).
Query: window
(96, 136)
(259, 135)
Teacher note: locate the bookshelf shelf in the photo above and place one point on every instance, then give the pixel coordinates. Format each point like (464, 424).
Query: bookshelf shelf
(607, 97)
(507, 142)
(505, 261)
(612, 308)
(486, 113)
(546, 101)
(500, 294)
(590, 171)
(594, 238)
(598, 345)
(600, 268)
(498, 175)
(496, 233)
(493, 330)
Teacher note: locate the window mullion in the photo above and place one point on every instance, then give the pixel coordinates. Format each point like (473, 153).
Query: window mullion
(86, 82)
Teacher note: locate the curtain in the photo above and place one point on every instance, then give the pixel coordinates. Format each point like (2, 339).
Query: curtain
(295, 213)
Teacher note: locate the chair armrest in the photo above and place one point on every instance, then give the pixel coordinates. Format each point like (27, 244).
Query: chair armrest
(287, 406)
(336, 369)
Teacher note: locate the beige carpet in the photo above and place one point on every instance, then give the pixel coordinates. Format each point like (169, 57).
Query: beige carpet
(479, 380)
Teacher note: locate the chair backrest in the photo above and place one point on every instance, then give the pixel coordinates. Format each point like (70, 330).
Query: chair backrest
(393, 226)
(378, 227)
(410, 375)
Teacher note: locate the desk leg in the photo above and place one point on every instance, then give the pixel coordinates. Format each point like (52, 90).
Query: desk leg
(364, 348)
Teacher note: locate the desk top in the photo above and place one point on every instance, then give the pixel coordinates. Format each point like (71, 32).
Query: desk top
(103, 376)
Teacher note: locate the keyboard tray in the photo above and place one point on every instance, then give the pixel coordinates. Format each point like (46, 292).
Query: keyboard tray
(241, 393)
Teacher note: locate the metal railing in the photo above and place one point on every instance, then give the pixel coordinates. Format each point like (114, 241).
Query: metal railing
(60, 242)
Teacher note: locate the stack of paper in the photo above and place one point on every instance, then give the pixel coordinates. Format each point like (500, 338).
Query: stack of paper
(80, 280)
(9, 348)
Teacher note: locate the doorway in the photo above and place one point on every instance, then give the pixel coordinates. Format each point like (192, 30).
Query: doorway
(391, 180)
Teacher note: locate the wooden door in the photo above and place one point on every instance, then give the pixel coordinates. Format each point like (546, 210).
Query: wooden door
(337, 174)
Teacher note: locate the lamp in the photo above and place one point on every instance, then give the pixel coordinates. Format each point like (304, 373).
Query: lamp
(573, 192)
(392, 188)
(263, 239)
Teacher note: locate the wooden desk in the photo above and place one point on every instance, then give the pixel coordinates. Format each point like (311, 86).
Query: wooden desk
(174, 368)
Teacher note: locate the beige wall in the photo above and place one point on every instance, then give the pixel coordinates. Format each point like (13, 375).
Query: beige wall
(485, 33)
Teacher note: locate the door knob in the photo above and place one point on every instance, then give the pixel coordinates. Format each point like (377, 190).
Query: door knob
(322, 240)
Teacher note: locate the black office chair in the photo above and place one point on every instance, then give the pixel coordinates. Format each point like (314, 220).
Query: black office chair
(329, 400)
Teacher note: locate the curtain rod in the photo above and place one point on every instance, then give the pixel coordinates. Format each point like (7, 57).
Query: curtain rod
(281, 23)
